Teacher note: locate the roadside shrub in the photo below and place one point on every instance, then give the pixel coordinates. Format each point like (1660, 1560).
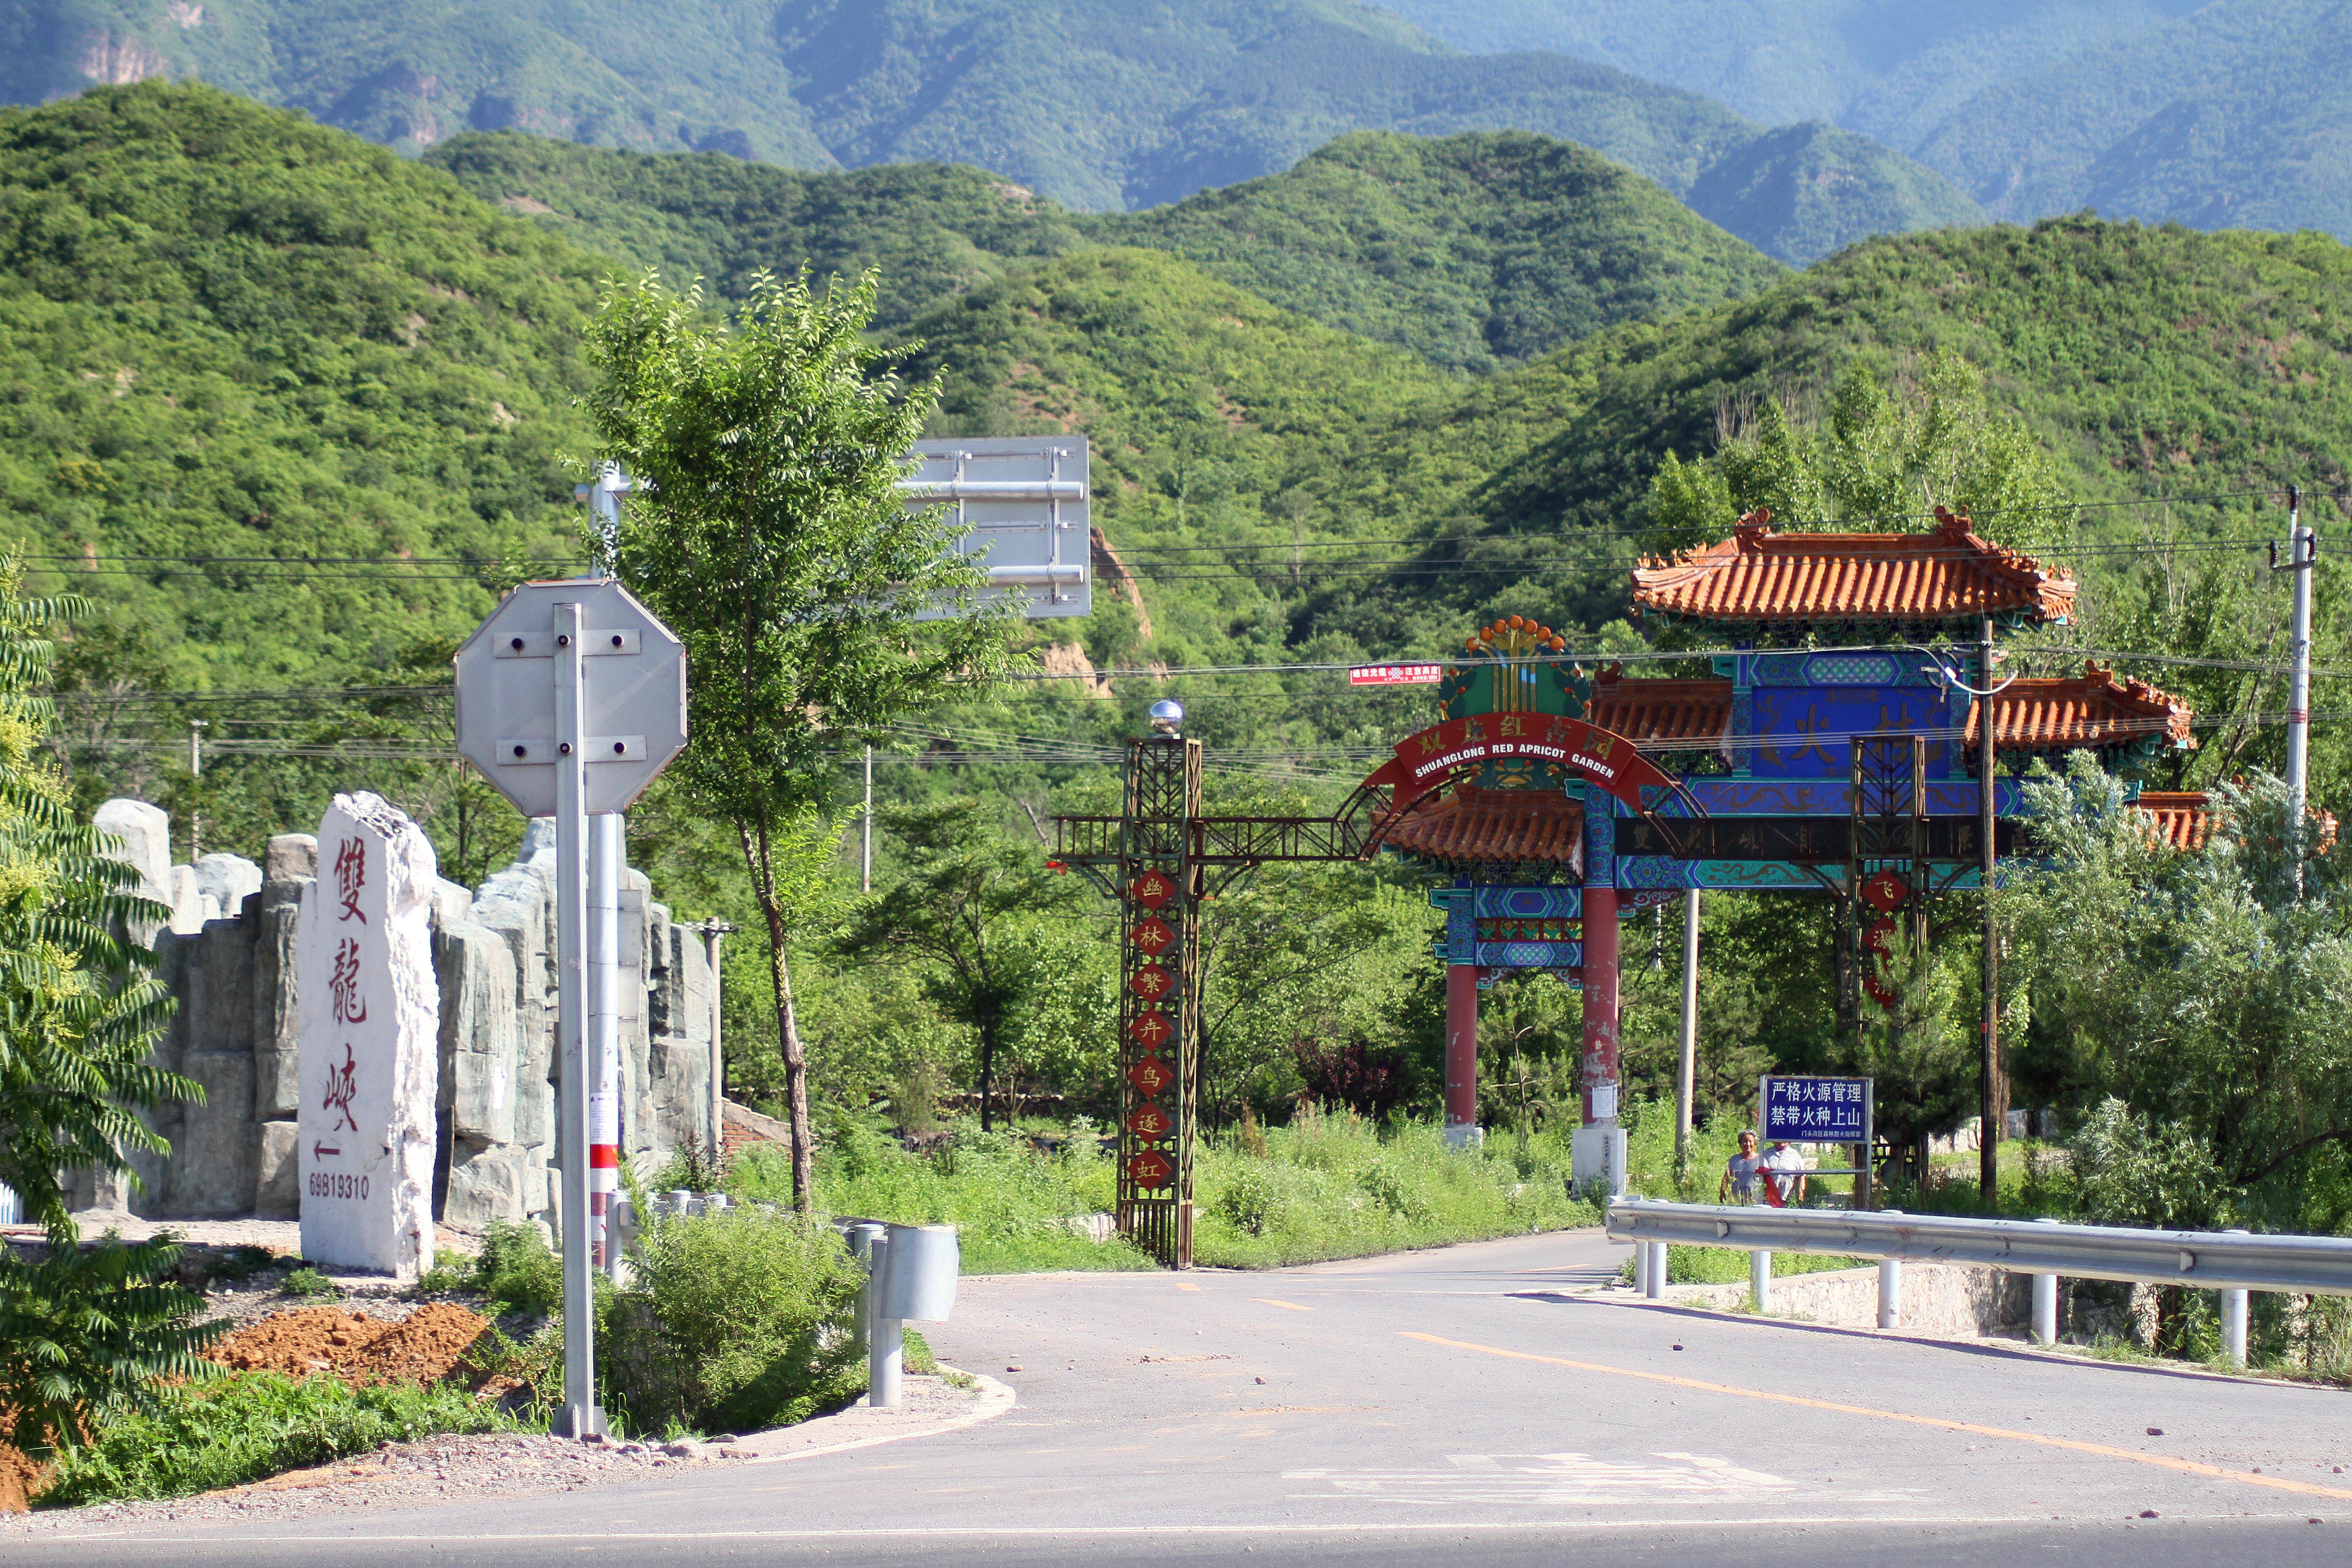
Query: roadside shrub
(740, 1320)
(85, 1336)
(517, 1269)
(242, 1427)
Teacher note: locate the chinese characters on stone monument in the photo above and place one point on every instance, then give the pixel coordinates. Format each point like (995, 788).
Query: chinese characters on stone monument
(368, 1006)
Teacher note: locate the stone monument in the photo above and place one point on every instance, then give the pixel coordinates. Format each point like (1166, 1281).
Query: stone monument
(369, 1018)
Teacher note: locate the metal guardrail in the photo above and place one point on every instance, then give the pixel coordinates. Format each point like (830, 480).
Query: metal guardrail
(2202, 1259)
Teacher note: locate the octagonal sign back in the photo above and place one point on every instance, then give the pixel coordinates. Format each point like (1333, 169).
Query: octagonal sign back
(633, 707)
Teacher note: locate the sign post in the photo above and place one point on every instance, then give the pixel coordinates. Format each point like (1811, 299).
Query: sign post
(570, 699)
(1821, 1110)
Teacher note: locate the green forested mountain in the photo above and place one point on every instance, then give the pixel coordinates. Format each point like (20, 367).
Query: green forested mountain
(1470, 250)
(1097, 104)
(2224, 113)
(228, 333)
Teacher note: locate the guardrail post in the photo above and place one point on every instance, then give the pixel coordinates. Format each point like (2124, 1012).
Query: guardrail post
(2233, 1322)
(1656, 1284)
(1642, 1267)
(1890, 1290)
(2045, 1304)
(862, 1237)
(1760, 1279)
(885, 1337)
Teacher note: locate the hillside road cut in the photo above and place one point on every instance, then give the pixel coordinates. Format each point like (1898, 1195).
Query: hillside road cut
(1476, 1404)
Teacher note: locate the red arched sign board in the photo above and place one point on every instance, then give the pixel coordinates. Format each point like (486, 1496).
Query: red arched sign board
(1425, 760)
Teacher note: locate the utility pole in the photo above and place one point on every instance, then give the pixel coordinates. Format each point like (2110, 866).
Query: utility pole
(866, 864)
(195, 773)
(2302, 559)
(712, 929)
(1686, 1074)
(1993, 1093)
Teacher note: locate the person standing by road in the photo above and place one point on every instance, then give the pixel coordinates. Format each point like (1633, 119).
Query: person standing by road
(1739, 1172)
(1785, 1168)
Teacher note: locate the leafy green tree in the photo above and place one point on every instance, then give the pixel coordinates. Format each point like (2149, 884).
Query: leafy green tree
(772, 539)
(966, 908)
(79, 1010)
(80, 1333)
(2194, 986)
(1882, 456)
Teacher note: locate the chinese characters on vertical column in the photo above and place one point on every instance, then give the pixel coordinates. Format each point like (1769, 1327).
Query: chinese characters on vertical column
(347, 991)
(1156, 1018)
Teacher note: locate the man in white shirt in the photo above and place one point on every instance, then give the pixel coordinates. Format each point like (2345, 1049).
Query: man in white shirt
(1784, 1167)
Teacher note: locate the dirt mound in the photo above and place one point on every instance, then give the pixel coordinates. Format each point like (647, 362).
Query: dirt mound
(19, 1479)
(424, 1347)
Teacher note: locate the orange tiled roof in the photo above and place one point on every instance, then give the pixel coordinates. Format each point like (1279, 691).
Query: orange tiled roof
(2093, 709)
(1948, 574)
(2182, 818)
(1490, 827)
(1650, 712)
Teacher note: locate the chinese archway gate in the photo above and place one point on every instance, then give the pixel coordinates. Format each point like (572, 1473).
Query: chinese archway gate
(1827, 753)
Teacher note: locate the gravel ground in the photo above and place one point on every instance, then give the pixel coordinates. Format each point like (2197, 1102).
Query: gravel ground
(432, 1470)
(495, 1464)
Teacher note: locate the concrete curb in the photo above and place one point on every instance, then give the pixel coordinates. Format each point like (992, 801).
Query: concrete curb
(930, 1409)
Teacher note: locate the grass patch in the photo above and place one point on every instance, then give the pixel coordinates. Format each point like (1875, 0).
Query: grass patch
(242, 1427)
(307, 1284)
(1729, 1265)
(1334, 1186)
(1324, 1186)
(1011, 1203)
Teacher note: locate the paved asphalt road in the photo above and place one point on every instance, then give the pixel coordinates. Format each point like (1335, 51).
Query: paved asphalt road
(1458, 1405)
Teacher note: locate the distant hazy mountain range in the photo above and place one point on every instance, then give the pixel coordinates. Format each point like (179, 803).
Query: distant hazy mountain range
(2209, 113)
(1098, 104)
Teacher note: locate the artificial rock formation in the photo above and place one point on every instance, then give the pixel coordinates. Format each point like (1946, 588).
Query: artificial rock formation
(493, 962)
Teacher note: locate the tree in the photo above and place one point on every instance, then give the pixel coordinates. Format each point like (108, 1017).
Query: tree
(964, 909)
(770, 536)
(2194, 986)
(1882, 456)
(78, 1009)
(80, 1333)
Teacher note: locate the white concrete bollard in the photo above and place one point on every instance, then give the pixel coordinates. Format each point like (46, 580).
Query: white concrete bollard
(2233, 1322)
(1759, 1280)
(1657, 1280)
(2045, 1304)
(1890, 1290)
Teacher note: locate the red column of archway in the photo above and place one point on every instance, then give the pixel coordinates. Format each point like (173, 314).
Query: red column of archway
(1460, 1050)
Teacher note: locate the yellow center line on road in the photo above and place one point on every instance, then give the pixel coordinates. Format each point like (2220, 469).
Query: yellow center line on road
(1186, 1285)
(2161, 1461)
(1270, 1301)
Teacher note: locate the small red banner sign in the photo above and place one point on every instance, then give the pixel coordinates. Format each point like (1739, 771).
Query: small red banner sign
(1152, 889)
(1150, 1030)
(1151, 1075)
(1395, 675)
(1151, 982)
(1885, 892)
(1150, 1170)
(1150, 1123)
(1152, 936)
